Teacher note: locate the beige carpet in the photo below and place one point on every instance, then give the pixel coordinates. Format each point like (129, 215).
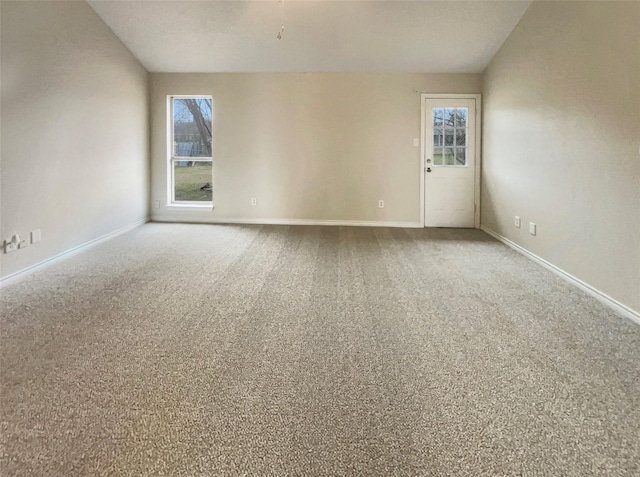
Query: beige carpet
(312, 351)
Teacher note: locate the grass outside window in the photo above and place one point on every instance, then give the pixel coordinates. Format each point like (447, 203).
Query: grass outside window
(193, 182)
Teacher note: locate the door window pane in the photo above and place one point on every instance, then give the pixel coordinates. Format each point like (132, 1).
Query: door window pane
(461, 117)
(437, 117)
(437, 137)
(449, 155)
(437, 156)
(450, 117)
(448, 137)
(461, 156)
(461, 137)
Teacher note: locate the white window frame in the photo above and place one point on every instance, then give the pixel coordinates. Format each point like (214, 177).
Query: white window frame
(171, 190)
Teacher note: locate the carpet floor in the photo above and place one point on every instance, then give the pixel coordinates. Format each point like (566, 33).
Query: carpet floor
(312, 351)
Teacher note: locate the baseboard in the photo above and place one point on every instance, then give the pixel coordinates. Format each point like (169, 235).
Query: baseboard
(595, 293)
(347, 223)
(20, 274)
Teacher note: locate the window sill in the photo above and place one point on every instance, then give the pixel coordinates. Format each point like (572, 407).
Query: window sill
(206, 206)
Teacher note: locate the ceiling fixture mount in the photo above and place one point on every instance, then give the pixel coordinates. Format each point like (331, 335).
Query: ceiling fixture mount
(279, 35)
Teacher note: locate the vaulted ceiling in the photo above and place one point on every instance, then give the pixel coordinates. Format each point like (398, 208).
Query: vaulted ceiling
(319, 35)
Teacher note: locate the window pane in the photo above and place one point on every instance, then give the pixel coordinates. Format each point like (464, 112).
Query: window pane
(437, 156)
(461, 117)
(192, 127)
(437, 117)
(448, 137)
(192, 180)
(437, 137)
(461, 156)
(461, 137)
(450, 117)
(449, 155)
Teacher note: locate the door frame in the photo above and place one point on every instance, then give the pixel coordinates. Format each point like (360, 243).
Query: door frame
(477, 152)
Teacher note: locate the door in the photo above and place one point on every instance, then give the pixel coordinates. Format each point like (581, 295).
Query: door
(449, 162)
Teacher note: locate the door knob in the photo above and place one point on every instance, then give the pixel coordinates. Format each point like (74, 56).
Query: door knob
(428, 169)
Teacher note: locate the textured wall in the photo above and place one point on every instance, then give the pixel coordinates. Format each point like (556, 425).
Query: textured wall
(561, 140)
(74, 129)
(317, 146)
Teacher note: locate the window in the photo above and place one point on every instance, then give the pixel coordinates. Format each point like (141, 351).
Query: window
(190, 156)
(450, 131)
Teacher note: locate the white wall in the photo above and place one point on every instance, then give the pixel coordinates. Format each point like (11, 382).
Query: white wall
(74, 112)
(316, 146)
(561, 141)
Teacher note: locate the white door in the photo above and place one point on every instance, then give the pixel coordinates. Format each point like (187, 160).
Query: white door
(449, 162)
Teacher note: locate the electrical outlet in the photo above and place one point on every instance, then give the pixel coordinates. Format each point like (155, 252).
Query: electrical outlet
(254, 201)
(517, 221)
(11, 245)
(532, 228)
(381, 204)
(36, 236)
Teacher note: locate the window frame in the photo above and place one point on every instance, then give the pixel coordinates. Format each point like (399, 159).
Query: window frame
(171, 159)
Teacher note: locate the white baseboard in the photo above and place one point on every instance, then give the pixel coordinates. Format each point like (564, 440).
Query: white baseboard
(585, 287)
(347, 223)
(20, 274)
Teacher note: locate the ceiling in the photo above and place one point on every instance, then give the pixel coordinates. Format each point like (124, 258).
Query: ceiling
(445, 36)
